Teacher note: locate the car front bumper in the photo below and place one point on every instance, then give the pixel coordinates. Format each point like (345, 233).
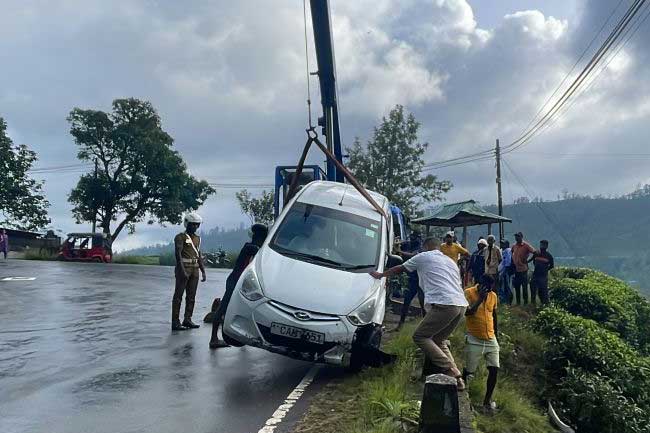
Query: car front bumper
(250, 323)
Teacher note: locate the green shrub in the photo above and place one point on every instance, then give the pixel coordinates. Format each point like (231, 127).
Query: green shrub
(135, 260)
(593, 403)
(39, 255)
(580, 342)
(167, 259)
(607, 300)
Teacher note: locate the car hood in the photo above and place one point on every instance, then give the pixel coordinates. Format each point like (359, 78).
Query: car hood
(312, 287)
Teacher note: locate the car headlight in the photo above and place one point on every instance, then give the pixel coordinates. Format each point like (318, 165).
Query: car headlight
(363, 314)
(250, 287)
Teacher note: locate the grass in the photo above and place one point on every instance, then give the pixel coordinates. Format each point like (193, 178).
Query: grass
(520, 384)
(377, 400)
(384, 400)
(37, 255)
(136, 260)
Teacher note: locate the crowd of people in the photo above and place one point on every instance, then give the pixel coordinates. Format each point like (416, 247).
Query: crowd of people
(450, 282)
(455, 283)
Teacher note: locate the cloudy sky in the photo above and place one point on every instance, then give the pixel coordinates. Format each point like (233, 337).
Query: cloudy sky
(228, 78)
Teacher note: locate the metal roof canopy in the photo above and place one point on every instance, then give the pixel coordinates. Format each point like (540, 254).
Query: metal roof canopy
(461, 214)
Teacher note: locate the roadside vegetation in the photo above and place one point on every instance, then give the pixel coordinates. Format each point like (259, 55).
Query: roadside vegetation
(165, 259)
(586, 354)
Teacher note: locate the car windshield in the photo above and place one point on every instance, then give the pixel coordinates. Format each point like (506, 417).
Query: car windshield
(328, 237)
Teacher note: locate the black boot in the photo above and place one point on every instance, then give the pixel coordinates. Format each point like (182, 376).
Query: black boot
(189, 324)
(176, 326)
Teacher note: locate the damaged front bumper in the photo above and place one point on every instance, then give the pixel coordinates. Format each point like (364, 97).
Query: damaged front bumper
(251, 324)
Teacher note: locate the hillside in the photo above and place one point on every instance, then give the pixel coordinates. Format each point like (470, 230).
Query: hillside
(609, 234)
(229, 239)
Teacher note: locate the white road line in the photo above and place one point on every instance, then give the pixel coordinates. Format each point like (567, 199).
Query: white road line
(289, 402)
(18, 279)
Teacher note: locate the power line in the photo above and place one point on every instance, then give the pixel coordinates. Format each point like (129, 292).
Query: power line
(533, 200)
(629, 34)
(587, 70)
(543, 121)
(568, 74)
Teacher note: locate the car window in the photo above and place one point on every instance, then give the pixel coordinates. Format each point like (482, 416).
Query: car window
(328, 237)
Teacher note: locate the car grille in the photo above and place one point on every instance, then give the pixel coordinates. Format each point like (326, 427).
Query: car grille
(293, 343)
(313, 316)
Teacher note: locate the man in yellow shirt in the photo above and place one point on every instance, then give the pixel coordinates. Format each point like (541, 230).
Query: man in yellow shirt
(481, 341)
(452, 249)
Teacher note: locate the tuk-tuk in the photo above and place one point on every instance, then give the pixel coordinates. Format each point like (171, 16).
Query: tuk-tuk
(87, 247)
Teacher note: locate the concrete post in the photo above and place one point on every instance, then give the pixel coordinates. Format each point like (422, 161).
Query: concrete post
(439, 412)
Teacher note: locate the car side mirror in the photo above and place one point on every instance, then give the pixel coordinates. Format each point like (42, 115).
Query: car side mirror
(393, 260)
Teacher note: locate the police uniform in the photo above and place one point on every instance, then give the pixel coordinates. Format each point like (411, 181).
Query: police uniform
(189, 246)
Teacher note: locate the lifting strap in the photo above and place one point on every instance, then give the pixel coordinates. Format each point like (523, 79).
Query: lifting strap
(312, 138)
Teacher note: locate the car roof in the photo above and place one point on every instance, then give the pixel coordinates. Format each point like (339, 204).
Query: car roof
(343, 197)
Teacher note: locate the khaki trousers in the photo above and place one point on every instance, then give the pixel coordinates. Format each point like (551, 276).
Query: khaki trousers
(187, 285)
(434, 330)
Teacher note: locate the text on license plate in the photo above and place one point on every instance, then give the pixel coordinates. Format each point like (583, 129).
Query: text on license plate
(297, 333)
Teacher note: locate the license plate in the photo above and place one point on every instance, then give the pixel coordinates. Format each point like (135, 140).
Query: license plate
(297, 333)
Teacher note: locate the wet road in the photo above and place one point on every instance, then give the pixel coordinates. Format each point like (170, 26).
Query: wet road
(88, 348)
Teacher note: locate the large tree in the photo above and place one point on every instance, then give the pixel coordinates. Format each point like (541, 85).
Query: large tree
(391, 163)
(22, 204)
(258, 209)
(139, 176)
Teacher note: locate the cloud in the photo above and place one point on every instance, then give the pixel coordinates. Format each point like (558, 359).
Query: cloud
(228, 79)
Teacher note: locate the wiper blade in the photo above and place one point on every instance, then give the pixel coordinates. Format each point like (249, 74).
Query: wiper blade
(355, 267)
(312, 257)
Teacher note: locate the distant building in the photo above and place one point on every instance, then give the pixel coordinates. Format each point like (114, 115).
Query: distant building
(21, 240)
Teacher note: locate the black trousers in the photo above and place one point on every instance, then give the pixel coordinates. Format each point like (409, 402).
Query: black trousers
(520, 284)
(220, 314)
(414, 289)
(539, 285)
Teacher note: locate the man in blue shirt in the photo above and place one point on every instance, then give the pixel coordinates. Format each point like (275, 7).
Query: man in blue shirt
(412, 247)
(505, 292)
(477, 261)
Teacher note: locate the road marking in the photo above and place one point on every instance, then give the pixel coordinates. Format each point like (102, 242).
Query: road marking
(18, 279)
(289, 402)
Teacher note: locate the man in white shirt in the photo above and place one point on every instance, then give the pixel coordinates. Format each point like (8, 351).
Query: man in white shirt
(443, 293)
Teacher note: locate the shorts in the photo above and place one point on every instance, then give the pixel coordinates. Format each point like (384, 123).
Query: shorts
(475, 349)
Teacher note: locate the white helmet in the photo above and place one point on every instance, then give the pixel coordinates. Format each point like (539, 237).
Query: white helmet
(192, 217)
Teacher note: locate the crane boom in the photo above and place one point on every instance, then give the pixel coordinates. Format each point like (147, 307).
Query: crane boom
(324, 44)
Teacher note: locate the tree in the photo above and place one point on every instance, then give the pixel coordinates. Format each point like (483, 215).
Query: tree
(391, 163)
(22, 203)
(139, 175)
(258, 210)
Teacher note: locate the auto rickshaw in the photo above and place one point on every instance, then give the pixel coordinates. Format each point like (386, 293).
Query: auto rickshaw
(87, 247)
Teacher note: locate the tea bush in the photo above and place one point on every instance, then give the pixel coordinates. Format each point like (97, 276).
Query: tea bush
(576, 341)
(607, 300)
(594, 403)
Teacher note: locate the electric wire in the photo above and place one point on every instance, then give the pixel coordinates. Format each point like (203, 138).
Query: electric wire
(568, 74)
(629, 34)
(531, 195)
(587, 70)
(471, 157)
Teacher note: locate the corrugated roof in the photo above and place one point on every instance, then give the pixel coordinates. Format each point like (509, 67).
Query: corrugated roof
(464, 213)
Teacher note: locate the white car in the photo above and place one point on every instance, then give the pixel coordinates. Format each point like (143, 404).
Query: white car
(307, 293)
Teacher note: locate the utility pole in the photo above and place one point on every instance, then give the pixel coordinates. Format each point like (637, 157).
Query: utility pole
(499, 194)
(94, 199)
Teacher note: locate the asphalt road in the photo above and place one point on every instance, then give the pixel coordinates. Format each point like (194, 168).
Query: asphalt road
(88, 348)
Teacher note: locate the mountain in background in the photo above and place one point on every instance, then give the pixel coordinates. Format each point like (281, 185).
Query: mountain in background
(609, 234)
(230, 240)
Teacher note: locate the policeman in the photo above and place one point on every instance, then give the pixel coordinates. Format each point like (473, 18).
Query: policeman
(260, 231)
(188, 264)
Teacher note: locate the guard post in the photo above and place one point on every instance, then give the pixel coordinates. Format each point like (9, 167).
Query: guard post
(440, 412)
